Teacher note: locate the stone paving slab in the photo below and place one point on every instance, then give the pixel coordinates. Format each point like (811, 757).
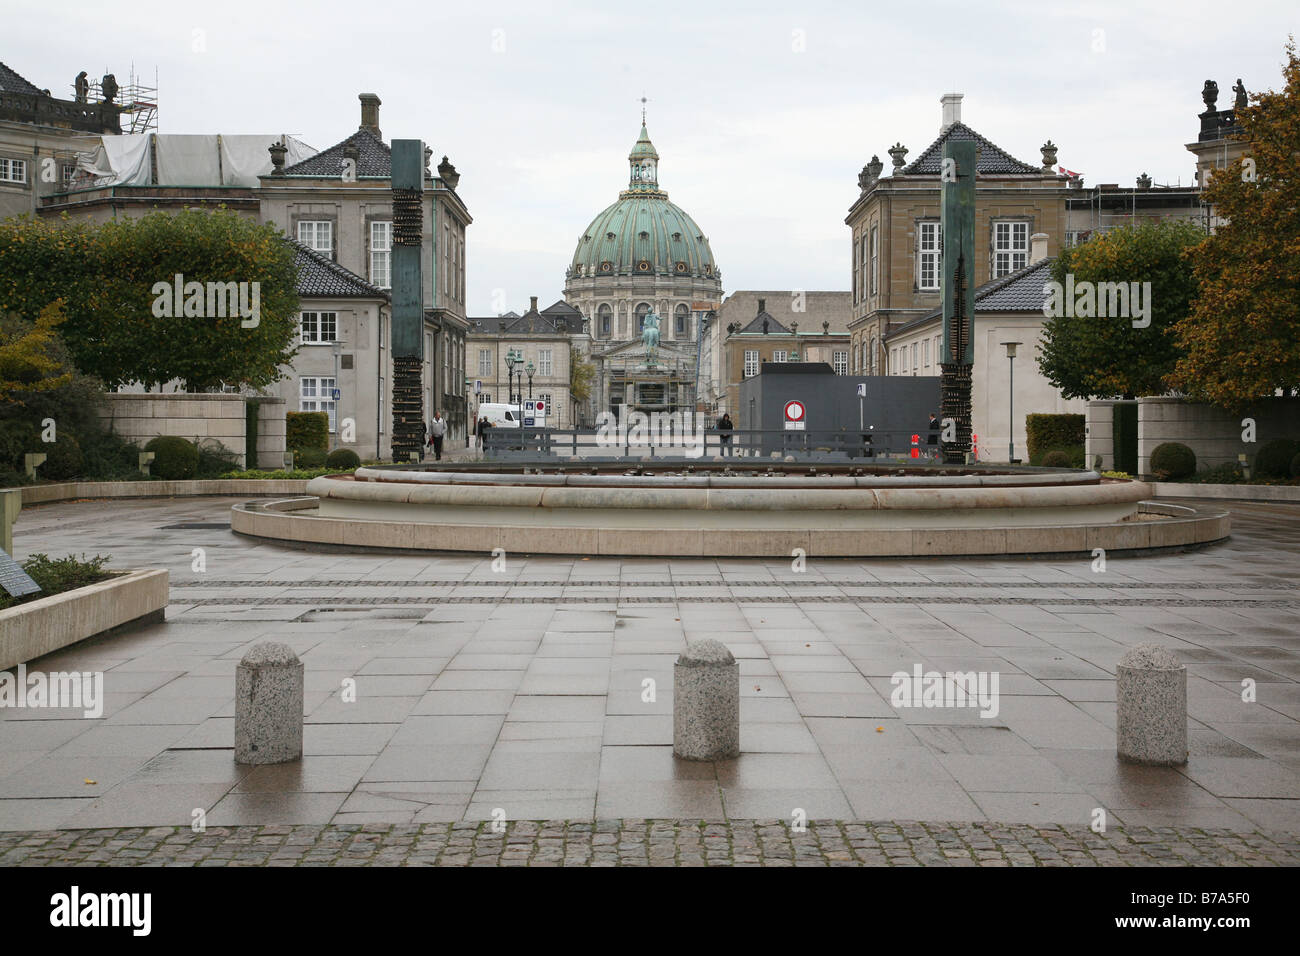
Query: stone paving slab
(638, 842)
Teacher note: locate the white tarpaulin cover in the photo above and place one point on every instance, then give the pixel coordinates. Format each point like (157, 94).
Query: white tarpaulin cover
(187, 160)
(244, 158)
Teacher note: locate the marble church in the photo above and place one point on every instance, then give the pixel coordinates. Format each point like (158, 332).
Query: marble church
(643, 255)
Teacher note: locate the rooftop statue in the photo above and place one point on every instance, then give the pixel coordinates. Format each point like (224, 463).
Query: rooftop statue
(650, 337)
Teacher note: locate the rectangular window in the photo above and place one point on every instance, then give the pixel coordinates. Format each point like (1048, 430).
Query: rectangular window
(913, 358)
(929, 255)
(68, 174)
(317, 235)
(840, 360)
(13, 170)
(780, 355)
(751, 362)
(1010, 247)
(319, 327)
(381, 254)
(317, 395)
(484, 363)
(925, 353)
(875, 258)
(544, 362)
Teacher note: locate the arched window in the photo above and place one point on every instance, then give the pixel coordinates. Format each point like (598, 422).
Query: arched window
(872, 357)
(682, 321)
(605, 320)
(642, 310)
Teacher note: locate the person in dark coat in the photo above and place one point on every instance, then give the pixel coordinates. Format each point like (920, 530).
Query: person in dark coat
(726, 427)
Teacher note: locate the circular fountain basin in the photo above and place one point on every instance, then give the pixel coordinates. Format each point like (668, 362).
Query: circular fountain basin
(734, 512)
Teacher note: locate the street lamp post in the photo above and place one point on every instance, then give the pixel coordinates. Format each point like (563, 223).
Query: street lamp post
(1011, 398)
(510, 376)
(338, 351)
(530, 369)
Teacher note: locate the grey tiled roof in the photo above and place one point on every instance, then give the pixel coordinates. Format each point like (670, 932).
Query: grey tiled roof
(992, 158)
(322, 278)
(1020, 291)
(11, 82)
(560, 318)
(374, 158)
(773, 326)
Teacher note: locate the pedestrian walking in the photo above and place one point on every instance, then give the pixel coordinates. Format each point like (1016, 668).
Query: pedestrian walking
(933, 440)
(437, 429)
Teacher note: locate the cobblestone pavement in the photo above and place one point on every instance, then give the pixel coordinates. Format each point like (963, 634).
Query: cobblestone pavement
(649, 843)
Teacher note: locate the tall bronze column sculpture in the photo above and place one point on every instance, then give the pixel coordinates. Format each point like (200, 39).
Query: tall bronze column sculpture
(957, 280)
(408, 297)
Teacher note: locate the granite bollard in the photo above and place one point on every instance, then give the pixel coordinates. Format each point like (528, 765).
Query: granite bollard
(268, 705)
(706, 702)
(1151, 707)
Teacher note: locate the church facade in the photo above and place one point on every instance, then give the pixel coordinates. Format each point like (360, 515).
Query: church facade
(643, 256)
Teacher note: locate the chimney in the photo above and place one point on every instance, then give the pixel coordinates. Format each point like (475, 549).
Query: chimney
(370, 113)
(1037, 247)
(762, 306)
(951, 109)
(533, 300)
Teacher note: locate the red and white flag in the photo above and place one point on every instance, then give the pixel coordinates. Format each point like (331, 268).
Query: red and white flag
(1067, 172)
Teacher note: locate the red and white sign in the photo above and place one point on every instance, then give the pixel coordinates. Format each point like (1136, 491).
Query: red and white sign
(795, 414)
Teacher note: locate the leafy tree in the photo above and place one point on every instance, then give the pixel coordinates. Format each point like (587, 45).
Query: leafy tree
(1240, 341)
(1095, 356)
(582, 374)
(112, 278)
(30, 359)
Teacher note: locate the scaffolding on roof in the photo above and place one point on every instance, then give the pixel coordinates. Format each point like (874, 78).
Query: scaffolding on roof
(137, 103)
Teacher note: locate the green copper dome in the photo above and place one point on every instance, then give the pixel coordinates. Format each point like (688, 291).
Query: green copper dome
(643, 233)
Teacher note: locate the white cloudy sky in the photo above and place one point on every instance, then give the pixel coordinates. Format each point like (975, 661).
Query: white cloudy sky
(537, 102)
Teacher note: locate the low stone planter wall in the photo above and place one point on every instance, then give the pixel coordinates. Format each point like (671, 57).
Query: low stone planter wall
(222, 487)
(1174, 489)
(38, 627)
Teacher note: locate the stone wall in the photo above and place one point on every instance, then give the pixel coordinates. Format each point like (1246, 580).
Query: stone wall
(1213, 434)
(202, 419)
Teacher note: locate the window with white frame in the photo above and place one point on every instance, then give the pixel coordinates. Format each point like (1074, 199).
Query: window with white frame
(925, 353)
(751, 362)
(914, 358)
(871, 356)
(840, 360)
(544, 362)
(929, 255)
(319, 328)
(317, 234)
(875, 258)
(780, 355)
(681, 321)
(381, 254)
(1010, 247)
(13, 170)
(317, 395)
(484, 363)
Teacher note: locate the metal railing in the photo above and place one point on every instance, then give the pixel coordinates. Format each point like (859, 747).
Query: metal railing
(751, 443)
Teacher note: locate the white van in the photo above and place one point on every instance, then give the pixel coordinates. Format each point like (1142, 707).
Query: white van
(500, 414)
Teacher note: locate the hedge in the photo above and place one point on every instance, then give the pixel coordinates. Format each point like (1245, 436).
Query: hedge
(1274, 457)
(303, 430)
(1172, 460)
(1045, 432)
(342, 458)
(174, 458)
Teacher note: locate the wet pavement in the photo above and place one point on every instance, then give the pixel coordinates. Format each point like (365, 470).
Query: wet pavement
(519, 693)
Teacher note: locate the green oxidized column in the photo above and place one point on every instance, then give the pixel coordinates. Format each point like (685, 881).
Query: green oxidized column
(408, 297)
(956, 284)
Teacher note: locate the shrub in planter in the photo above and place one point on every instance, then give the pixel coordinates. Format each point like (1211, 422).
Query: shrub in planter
(307, 430)
(109, 457)
(174, 458)
(1056, 458)
(1173, 460)
(63, 459)
(215, 459)
(342, 458)
(309, 458)
(1273, 460)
